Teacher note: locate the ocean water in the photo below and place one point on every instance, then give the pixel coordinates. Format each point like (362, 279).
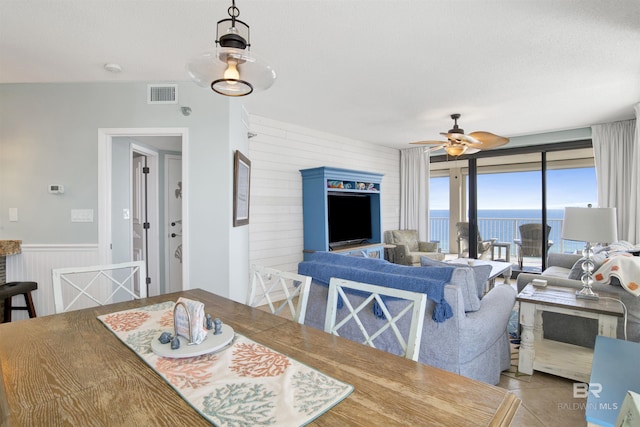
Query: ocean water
(505, 213)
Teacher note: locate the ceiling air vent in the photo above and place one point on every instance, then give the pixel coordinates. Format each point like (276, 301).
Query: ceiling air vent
(162, 94)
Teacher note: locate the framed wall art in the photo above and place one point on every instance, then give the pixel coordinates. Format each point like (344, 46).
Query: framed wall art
(241, 189)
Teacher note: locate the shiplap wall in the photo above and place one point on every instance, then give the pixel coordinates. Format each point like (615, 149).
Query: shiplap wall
(277, 153)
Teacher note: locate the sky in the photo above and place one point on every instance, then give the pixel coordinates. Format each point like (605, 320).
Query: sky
(522, 190)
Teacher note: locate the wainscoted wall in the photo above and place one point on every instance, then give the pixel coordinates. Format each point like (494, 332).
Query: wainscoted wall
(277, 153)
(35, 264)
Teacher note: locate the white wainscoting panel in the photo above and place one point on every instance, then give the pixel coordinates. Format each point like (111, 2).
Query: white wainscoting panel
(35, 264)
(277, 153)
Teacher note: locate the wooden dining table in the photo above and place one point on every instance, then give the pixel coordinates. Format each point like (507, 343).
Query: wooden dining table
(69, 369)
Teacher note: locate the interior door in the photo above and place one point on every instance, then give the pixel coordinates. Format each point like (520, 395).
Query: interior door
(138, 209)
(174, 218)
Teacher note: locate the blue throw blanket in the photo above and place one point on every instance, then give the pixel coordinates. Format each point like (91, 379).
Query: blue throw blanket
(323, 266)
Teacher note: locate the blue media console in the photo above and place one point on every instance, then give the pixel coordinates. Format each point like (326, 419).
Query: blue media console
(342, 211)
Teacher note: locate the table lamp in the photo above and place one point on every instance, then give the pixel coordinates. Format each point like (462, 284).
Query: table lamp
(589, 225)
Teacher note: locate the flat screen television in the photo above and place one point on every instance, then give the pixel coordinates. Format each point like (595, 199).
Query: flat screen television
(349, 218)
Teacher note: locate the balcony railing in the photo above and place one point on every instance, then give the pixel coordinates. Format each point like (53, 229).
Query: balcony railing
(504, 230)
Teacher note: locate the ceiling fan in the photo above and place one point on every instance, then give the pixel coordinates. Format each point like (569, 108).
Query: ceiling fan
(459, 143)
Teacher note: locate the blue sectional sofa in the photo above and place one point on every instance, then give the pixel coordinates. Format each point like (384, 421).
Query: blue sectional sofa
(464, 331)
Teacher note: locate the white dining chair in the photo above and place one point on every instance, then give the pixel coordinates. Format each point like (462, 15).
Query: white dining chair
(82, 287)
(279, 289)
(416, 305)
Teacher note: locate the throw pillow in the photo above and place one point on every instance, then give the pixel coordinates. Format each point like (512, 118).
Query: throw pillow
(466, 278)
(576, 271)
(481, 273)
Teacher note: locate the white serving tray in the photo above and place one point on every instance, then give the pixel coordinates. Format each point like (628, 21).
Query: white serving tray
(211, 344)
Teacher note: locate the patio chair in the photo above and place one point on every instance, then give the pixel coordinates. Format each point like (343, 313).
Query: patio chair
(341, 291)
(530, 242)
(75, 288)
(484, 246)
(284, 289)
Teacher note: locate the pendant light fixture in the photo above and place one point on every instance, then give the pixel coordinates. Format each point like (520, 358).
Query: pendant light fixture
(230, 69)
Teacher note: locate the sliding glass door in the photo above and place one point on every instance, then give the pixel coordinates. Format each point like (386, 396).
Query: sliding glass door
(514, 194)
(510, 196)
(571, 181)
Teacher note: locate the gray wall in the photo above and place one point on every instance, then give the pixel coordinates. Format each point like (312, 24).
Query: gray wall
(49, 135)
(120, 199)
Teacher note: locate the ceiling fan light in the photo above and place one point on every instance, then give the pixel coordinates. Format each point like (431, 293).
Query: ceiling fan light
(455, 149)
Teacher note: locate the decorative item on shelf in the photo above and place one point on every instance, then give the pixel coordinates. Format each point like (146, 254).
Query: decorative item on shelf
(335, 184)
(230, 69)
(371, 186)
(361, 186)
(589, 225)
(348, 186)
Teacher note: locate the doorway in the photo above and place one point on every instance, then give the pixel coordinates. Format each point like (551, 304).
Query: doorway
(146, 146)
(144, 218)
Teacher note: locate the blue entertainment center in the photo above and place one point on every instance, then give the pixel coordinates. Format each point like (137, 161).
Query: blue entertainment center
(342, 211)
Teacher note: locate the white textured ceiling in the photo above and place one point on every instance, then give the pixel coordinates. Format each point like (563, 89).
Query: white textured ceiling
(388, 72)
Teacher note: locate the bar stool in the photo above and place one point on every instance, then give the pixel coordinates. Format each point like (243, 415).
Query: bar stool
(8, 290)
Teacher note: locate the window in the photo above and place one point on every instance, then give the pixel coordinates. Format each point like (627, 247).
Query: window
(510, 193)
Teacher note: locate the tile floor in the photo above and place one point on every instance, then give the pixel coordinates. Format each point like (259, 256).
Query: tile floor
(547, 400)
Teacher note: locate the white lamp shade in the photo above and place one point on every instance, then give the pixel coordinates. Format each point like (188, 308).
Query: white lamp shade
(593, 225)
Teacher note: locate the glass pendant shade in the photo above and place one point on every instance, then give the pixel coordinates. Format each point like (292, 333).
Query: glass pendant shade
(230, 71)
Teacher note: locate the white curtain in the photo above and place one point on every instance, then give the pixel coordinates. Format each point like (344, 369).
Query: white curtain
(414, 191)
(616, 149)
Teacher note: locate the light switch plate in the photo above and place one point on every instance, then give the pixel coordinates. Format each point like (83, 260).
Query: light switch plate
(81, 215)
(13, 214)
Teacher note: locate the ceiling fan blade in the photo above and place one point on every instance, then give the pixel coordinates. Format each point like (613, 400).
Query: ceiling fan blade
(488, 140)
(430, 149)
(428, 142)
(461, 138)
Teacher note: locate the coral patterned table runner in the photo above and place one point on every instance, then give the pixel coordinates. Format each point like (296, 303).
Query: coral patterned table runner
(246, 384)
